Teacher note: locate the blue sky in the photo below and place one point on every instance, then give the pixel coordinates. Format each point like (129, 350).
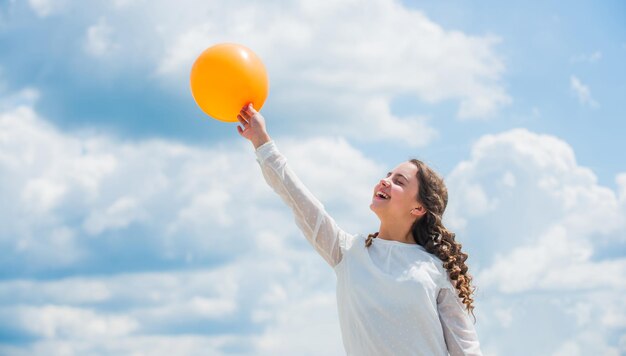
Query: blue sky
(132, 222)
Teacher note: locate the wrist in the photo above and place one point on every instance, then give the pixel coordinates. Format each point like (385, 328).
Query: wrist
(260, 141)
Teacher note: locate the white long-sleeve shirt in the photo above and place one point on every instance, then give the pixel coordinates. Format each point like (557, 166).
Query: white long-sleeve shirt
(393, 298)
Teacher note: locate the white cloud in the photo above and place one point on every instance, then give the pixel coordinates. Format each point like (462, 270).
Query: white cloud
(40, 193)
(339, 175)
(84, 291)
(589, 58)
(120, 214)
(24, 97)
(582, 311)
(620, 179)
(553, 263)
(504, 316)
(550, 187)
(98, 39)
(524, 206)
(521, 191)
(192, 202)
(297, 322)
(126, 3)
(540, 252)
(327, 48)
(289, 296)
(45, 8)
(527, 186)
(538, 224)
(582, 92)
(333, 48)
(193, 308)
(379, 124)
(158, 345)
(347, 59)
(51, 321)
(62, 188)
(589, 342)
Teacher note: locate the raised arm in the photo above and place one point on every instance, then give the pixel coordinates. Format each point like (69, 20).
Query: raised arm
(318, 227)
(458, 330)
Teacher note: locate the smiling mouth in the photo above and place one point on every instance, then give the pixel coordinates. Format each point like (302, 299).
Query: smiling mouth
(382, 195)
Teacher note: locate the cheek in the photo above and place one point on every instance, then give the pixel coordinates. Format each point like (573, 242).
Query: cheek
(399, 192)
(403, 193)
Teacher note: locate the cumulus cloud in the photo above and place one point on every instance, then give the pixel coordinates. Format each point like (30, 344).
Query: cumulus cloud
(79, 198)
(98, 39)
(244, 307)
(518, 198)
(52, 321)
(328, 51)
(582, 92)
(24, 97)
(118, 215)
(542, 206)
(318, 55)
(293, 329)
(533, 222)
(588, 58)
(44, 8)
(558, 263)
(515, 203)
(621, 186)
(161, 345)
(69, 193)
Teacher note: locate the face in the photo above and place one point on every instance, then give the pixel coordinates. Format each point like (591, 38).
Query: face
(400, 186)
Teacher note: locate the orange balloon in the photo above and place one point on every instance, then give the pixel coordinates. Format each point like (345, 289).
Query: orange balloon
(227, 76)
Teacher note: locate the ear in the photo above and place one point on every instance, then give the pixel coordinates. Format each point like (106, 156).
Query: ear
(419, 211)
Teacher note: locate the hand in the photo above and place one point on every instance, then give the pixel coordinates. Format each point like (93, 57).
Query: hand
(253, 125)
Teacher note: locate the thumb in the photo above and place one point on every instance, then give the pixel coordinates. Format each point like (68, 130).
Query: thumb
(252, 109)
(240, 130)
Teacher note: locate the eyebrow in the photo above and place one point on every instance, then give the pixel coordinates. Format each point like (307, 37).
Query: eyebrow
(400, 174)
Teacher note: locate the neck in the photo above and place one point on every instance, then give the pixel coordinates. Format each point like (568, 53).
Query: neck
(396, 232)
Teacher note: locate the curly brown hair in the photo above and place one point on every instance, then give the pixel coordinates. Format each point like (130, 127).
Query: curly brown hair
(429, 232)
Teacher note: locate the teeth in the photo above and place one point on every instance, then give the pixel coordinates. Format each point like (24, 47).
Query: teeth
(382, 195)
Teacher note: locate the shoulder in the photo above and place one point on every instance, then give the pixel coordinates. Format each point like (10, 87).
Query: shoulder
(347, 240)
(437, 268)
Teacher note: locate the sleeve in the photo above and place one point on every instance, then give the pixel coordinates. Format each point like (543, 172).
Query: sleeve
(458, 329)
(318, 227)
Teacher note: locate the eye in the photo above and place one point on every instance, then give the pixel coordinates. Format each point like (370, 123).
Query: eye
(397, 181)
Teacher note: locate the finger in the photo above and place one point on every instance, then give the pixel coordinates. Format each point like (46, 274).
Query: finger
(252, 109)
(240, 130)
(249, 107)
(246, 114)
(242, 120)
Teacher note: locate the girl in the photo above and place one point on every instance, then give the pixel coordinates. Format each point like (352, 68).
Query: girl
(403, 290)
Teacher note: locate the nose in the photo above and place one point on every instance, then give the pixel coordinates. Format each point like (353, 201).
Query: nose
(385, 183)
